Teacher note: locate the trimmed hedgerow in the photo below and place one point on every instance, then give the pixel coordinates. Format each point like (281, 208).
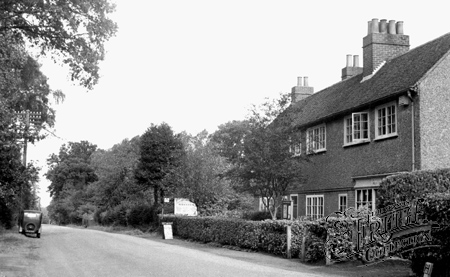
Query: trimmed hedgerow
(433, 188)
(412, 185)
(267, 236)
(437, 210)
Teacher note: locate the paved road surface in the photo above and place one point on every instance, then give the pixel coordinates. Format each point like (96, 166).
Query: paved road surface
(64, 251)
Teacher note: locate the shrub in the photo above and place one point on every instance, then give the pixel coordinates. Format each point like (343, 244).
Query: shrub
(432, 186)
(140, 215)
(437, 209)
(257, 216)
(267, 236)
(412, 185)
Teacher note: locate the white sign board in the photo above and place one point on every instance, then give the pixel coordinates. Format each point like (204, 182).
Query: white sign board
(184, 207)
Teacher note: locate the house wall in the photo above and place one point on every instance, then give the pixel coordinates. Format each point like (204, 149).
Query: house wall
(335, 169)
(331, 203)
(434, 94)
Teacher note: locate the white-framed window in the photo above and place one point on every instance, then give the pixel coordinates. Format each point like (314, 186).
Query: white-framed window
(342, 204)
(365, 197)
(294, 206)
(316, 139)
(356, 128)
(263, 204)
(386, 121)
(314, 206)
(295, 146)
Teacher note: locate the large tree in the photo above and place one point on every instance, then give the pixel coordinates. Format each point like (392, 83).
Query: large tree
(115, 170)
(260, 153)
(160, 153)
(200, 179)
(70, 172)
(71, 32)
(22, 87)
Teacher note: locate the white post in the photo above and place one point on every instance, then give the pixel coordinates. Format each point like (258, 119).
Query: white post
(289, 238)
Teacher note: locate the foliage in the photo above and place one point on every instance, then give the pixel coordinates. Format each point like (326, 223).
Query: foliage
(115, 170)
(70, 173)
(257, 216)
(22, 87)
(73, 32)
(412, 185)
(437, 210)
(160, 153)
(267, 236)
(258, 149)
(199, 177)
(431, 186)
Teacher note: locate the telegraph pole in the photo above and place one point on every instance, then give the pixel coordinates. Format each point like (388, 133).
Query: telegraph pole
(28, 117)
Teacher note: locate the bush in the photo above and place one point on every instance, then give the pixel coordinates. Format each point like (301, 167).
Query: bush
(267, 236)
(432, 187)
(140, 215)
(412, 185)
(437, 209)
(257, 216)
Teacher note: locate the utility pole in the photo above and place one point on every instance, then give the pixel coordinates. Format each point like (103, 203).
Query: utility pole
(28, 117)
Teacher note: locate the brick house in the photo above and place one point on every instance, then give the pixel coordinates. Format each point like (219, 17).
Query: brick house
(391, 115)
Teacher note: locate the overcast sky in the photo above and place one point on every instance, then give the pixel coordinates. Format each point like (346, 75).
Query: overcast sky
(198, 64)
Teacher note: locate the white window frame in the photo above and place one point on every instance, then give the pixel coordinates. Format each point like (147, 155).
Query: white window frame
(387, 124)
(372, 201)
(315, 211)
(350, 124)
(262, 206)
(340, 204)
(312, 144)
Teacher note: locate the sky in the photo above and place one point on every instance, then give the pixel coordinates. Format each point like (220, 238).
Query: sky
(198, 64)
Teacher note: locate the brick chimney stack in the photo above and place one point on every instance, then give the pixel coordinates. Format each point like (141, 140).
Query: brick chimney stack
(302, 90)
(384, 41)
(351, 69)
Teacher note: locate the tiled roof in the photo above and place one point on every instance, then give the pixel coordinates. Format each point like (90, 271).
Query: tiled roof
(396, 76)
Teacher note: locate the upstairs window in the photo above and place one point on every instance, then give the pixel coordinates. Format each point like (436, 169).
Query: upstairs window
(316, 139)
(386, 121)
(356, 128)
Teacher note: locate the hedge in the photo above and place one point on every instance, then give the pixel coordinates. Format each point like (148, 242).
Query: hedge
(433, 187)
(412, 185)
(266, 236)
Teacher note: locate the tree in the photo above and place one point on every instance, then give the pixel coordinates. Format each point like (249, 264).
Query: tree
(199, 176)
(262, 162)
(160, 153)
(70, 173)
(73, 32)
(115, 170)
(22, 87)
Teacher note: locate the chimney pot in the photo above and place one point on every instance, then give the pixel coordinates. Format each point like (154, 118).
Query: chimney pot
(305, 81)
(391, 29)
(375, 27)
(349, 60)
(299, 81)
(399, 28)
(355, 61)
(383, 27)
(369, 27)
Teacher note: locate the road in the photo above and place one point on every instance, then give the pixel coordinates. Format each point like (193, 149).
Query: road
(63, 251)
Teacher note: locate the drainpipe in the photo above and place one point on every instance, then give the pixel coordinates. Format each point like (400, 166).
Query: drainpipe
(413, 162)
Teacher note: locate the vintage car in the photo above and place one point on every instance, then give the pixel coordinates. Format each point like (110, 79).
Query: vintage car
(30, 222)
